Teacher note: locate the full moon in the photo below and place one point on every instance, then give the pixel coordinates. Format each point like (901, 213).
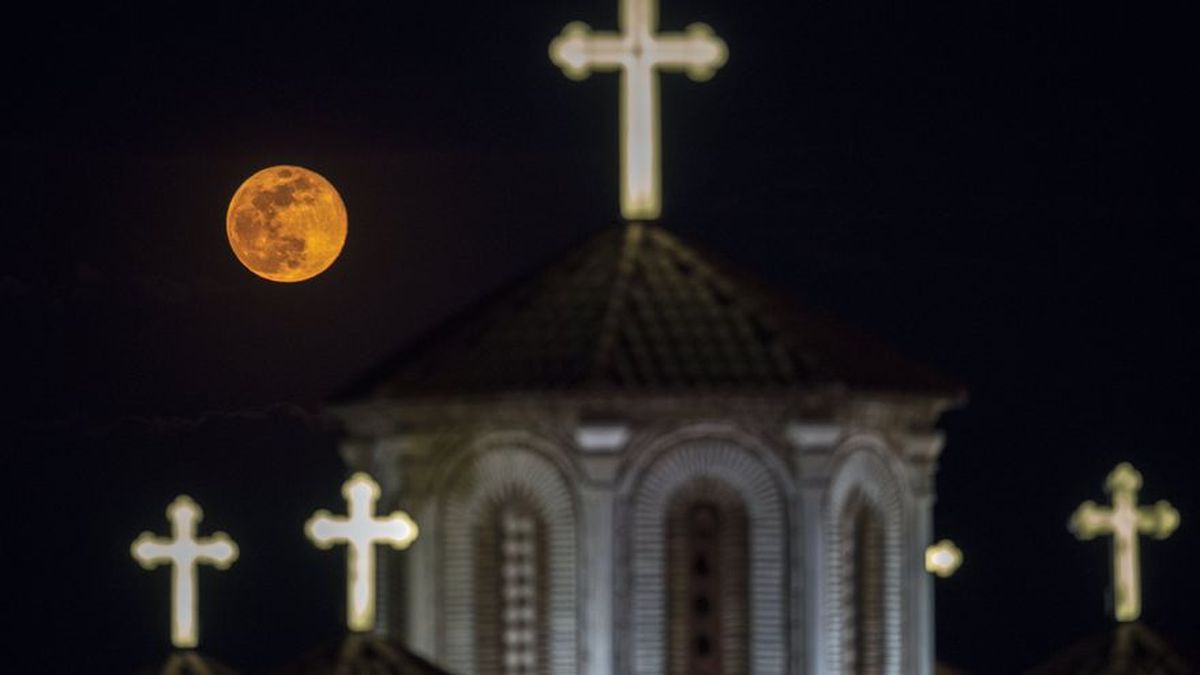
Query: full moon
(286, 223)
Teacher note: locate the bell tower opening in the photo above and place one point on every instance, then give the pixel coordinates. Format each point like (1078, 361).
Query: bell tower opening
(863, 584)
(706, 582)
(511, 602)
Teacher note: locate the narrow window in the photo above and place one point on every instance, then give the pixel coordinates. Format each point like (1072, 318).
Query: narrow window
(706, 583)
(863, 602)
(510, 617)
(518, 595)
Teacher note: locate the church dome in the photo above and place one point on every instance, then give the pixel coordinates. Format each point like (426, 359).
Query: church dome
(189, 662)
(362, 654)
(1128, 649)
(635, 310)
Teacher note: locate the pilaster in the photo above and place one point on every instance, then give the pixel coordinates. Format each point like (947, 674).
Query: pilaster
(920, 452)
(599, 445)
(813, 445)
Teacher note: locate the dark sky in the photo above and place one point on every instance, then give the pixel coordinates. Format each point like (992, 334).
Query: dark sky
(1005, 191)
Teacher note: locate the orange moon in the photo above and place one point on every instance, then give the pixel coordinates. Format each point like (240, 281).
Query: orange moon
(286, 223)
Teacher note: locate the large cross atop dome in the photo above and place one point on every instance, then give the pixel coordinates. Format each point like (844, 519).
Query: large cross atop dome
(639, 51)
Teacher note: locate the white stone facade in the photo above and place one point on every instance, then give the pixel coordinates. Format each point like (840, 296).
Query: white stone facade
(601, 486)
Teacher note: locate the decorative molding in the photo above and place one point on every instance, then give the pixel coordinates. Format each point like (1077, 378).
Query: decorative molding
(813, 436)
(864, 472)
(923, 446)
(705, 452)
(600, 437)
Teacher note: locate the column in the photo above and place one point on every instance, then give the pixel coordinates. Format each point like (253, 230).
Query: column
(600, 444)
(921, 451)
(813, 444)
(597, 559)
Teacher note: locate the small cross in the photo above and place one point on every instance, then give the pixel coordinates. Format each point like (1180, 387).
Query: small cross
(638, 51)
(360, 532)
(943, 558)
(184, 551)
(1125, 521)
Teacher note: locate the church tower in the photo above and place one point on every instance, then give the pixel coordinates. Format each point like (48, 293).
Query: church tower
(637, 461)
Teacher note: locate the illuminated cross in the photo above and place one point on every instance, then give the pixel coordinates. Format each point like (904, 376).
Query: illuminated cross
(637, 52)
(943, 558)
(184, 551)
(360, 532)
(1125, 521)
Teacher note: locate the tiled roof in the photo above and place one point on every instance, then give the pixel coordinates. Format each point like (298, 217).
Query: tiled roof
(1128, 649)
(636, 310)
(361, 654)
(188, 662)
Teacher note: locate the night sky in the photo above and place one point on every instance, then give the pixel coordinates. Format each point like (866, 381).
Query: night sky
(1005, 191)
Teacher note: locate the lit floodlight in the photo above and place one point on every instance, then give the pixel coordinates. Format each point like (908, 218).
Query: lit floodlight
(943, 558)
(184, 551)
(1125, 521)
(637, 51)
(360, 532)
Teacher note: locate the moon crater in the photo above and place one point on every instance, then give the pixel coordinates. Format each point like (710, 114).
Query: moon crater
(286, 223)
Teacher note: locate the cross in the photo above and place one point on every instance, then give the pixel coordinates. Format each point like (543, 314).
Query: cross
(943, 558)
(360, 532)
(184, 551)
(638, 51)
(1125, 521)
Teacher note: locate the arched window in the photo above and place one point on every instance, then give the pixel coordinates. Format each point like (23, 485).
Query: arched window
(706, 581)
(508, 506)
(511, 591)
(752, 545)
(862, 584)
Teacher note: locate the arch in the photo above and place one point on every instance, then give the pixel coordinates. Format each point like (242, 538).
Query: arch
(644, 506)
(480, 484)
(866, 506)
